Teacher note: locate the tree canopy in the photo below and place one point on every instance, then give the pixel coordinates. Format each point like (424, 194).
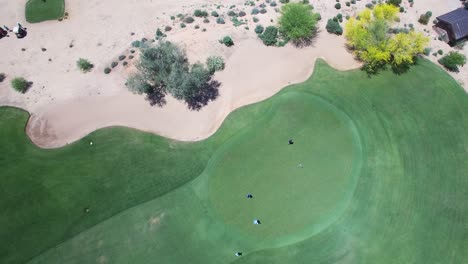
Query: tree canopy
(373, 44)
(164, 68)
(297, 22)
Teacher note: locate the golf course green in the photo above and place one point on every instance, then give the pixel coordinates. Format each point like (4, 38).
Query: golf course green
(376, 174)
(40, 10)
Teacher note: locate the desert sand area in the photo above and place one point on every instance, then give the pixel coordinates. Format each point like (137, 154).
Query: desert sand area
(66, 104)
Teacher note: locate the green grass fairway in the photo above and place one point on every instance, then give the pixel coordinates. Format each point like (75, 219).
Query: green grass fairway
(384, 180)
(40, 10)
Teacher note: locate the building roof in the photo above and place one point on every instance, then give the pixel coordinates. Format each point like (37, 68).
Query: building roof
(458, 19)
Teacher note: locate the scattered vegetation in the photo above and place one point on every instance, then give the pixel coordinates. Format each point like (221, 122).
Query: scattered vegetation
(298, 23)
(164, 68)
(182, 25)
(84, 65)
(376, 46)
(338, 6)
(136, 43)
(255, 11)
(220, 20)
(394, 2)
(107, 70)
(255, 19)
(453, 61)
(122, 57)
(259, 29)
(189, 20)
(424, 19)
(114, 64)
(20, 84)
(200, 13)
(214, 13)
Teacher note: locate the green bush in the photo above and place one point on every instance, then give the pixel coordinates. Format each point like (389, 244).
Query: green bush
(231, 13)
(284, 1)
(227, 40)
(263, 11)
(269, 36)
(20, 84)
(423, 19)
(214, 64)
(2, 77)
(214, 13)
(348, 4)
(334, 27)
(206, 21)
(259, 29)
(220, 20)
(453, 60)
(242, 14)
(273, 4)
(189, 20)
(159, 33)
(236, 22)
(84, 65)
(107, 70)
(440, 52)
(297, 22)
(122, 57)
(255, 11)
(338, 6)
(427, 51)
(136, 43)
(255, 19)
(114, 64)
(182, 25)
(394, 2)
(167, 28)
(200, 13)
(172, 17)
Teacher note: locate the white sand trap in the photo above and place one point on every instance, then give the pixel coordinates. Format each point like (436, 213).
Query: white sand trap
(66, 104)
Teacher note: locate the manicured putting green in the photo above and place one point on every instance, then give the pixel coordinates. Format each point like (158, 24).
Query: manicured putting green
(42, 10)
(298, 189)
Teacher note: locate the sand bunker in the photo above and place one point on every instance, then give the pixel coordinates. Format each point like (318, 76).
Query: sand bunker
(66, 104)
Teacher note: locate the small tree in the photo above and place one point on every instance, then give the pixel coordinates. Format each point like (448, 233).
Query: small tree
(334, 27)
(84, 65)
(269, 36)
(20, 84)
(453, 60)
(297, 22)
(214, 64)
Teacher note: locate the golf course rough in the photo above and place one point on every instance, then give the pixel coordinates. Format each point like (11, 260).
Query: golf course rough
(40, 10)
(397, 194)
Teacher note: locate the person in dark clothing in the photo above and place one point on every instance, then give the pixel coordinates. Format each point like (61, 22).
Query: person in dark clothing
(290, 142)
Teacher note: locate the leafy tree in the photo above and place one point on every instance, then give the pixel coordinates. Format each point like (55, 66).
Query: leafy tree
(269, 36)
(297, 22)
(453, 60)
(84, 65)
(227, 40)
(373, 43)
(163, 69)
(334, 27)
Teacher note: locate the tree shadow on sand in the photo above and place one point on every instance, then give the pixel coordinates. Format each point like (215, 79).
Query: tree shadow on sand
(203, 96)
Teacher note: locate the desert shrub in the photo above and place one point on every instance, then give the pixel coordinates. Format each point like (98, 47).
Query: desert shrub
(297, 22)
(227, 40)
(182, 25)
(167, 28)
(131, 57)
(236, 22)
(203, 30)
(338, 6)
(440, 52)
(427, 51)
(334, 27)
(348, 4)
(255, 11)
(255, 19)
(259, 29)
(453, 60)
(206, 21)
(132, 51)
(273, 4)
(305, 2)
(214, 13)
(125, 63)
(107, 70)
(122, 57)
(84, 65)
(136, 43)
(402, 9)
(164, 68)
(159, 34)
(172, 17)
(242, 14)
(200, 13)
(394, 2)
(370, 6)
(423, 19)
(269, 36)
(263, 11)
(214, 64)
(20, 84)
(114, 64)
(262, 5)
(2, 77)
(284, 1)
(220, 20)
(231, 13)
(189, 20)
(197, 26)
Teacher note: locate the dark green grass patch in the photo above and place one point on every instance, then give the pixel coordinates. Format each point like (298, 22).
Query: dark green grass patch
(156, 200)
(40, 10)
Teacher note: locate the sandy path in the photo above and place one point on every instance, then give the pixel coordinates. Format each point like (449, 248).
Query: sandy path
(66, 104)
